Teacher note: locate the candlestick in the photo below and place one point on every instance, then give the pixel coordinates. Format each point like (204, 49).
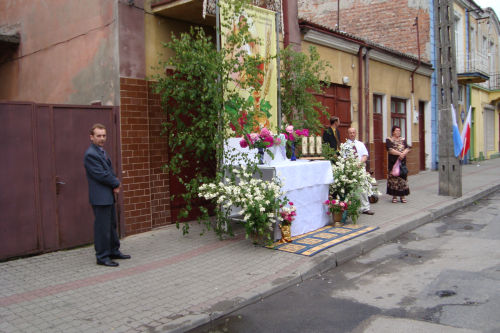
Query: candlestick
(304, 145)
(312, 149)
(318, 145)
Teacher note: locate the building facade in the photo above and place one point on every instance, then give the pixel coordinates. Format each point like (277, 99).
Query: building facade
(477, 48)
(385, 88)
(394, 24)
(89, 60)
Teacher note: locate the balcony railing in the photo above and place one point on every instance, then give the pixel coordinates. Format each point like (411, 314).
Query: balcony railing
(494, 82)
(474, 62)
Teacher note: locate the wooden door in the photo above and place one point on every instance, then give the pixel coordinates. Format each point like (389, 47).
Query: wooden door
(44, 204)
(71, 140)
(421, 134)
(337, 100)
(379, 154)
(19, 199)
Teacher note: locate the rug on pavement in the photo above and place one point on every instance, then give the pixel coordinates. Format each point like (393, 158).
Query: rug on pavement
(318, 240)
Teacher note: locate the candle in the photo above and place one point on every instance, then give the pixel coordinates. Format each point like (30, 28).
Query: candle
(312, 149)
(304, 145)
(318, 145)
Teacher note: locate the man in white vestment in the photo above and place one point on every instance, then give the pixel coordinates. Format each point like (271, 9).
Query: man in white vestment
(362, 154)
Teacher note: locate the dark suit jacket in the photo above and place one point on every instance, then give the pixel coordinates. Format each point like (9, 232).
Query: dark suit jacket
(101, 177)
(329, 138)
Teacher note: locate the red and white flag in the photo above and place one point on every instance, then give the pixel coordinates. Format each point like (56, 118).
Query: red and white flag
(466, 134)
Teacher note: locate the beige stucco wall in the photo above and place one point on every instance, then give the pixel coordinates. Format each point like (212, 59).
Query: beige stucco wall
(394, 82)
(159, 30)
(67, 52)
(480, 98)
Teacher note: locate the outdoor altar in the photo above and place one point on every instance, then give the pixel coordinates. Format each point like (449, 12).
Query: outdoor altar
(305, 183)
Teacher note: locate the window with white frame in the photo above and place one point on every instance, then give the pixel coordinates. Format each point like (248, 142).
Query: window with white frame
(398, 114)
(377, 104)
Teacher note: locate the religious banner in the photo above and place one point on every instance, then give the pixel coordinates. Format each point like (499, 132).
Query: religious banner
(262, 27)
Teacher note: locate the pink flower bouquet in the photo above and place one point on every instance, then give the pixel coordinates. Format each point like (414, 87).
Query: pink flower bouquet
(288, 213)
(292, 134)
(336, 206)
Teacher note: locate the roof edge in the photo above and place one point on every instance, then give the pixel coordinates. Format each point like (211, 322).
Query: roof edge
(308, 25)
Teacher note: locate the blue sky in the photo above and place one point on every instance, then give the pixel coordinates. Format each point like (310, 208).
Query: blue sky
(495, 4)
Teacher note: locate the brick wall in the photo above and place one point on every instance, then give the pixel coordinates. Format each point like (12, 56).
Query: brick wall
(386, 22)
(159, 181)
(146, 197)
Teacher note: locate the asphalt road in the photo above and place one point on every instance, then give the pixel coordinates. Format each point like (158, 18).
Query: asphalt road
(441, 277)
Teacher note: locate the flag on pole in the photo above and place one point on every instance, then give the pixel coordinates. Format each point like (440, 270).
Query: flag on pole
(457, 139)
(466, 134)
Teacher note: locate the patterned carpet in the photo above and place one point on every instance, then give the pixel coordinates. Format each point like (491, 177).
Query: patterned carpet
(318, 240)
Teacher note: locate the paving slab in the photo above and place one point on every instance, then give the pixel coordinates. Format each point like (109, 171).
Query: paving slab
(174, 283)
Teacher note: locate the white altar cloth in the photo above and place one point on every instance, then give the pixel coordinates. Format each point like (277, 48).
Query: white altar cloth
(306, 185)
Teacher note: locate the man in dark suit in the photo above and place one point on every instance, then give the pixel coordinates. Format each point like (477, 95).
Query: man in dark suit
(332, 135)
(103, 184)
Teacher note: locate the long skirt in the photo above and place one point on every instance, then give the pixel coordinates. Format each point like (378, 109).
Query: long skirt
(397, 186)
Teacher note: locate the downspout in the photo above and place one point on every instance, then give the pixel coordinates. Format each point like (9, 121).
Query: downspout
(360, 92)
(419, 60)
(412, 77)
(367, 99)
(338, 15)
(286, 26)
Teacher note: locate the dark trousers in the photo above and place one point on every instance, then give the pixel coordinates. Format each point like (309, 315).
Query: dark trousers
(106, 241)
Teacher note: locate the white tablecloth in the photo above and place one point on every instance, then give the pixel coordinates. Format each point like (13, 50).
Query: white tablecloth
(306, 184)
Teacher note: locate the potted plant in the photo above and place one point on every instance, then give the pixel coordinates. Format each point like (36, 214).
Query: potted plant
(336, 209)
(350, 179)
(287, 215)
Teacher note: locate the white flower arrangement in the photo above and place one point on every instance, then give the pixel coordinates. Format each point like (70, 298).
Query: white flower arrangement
(259, 200)
(350, 179)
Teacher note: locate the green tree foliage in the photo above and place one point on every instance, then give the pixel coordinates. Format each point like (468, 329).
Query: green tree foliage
(302, 75)
(200, 101)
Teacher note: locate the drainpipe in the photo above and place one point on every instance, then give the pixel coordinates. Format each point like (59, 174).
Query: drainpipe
(286, 28)
(419, 61)
(367, 99)
(338, 15)
(412, 77)
(291, 25)
(360, 92)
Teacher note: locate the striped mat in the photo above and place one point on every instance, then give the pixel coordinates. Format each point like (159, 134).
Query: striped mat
(318, 240)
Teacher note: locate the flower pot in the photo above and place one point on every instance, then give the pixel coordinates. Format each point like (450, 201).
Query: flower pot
(337, 219)
(259, 239)
(286, 233)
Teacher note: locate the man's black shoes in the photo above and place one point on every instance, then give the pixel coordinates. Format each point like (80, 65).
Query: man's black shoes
(107, 262)
(120, 256)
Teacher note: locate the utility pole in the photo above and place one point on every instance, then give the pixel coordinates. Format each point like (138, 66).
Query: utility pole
(450, 172)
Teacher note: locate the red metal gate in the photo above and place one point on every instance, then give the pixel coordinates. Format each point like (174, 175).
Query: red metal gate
(43, 190)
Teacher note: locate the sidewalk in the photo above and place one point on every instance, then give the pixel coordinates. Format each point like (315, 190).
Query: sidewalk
(174, 283)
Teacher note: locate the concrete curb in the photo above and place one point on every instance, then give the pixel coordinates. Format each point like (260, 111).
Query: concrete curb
(332, 258)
